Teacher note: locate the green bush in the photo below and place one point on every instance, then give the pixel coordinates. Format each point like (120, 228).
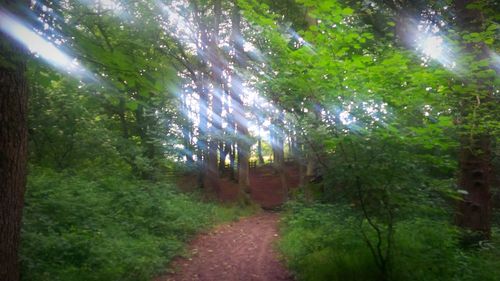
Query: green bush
(84, 227)
(324, 242)
(316, 248)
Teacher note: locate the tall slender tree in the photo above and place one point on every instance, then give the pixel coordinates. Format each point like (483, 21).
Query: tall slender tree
(13, 146)
(239, 107)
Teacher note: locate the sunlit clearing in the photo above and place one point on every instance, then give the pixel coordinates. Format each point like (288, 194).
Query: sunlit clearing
(38, 45)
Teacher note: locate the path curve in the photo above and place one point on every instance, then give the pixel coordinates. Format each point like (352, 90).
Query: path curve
(238, 251)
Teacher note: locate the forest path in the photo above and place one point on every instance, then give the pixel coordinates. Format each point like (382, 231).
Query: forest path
(237, 251)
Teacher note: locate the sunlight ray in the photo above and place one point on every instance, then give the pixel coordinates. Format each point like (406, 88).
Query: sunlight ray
(39, 46)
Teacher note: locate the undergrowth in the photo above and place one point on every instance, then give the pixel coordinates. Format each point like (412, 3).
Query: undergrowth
(80, 226)
(323, 242)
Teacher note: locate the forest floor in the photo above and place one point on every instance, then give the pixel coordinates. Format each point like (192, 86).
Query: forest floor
(237, 251)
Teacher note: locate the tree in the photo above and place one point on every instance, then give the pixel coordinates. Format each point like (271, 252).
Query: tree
(476, 104)
(239, 107)
(13, 147)
(471, 92)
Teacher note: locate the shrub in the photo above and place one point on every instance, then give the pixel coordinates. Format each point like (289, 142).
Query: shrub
(79, 227)
(324, 242)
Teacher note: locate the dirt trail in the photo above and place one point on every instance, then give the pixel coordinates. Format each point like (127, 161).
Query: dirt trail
(238, 251)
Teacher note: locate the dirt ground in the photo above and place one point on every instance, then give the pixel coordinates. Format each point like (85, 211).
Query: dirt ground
(238, 251)
(266, 188)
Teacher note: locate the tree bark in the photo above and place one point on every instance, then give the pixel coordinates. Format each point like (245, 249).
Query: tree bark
(279, 151)
(13, 153)
(207, 144)
(212, 170)
(187, 133)
(259, 140)
(474, 212)
(259, 150)
(239, 108)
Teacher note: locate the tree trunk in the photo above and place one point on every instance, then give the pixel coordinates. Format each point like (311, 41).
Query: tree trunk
(13, 154)
(202, 91)
(474, 211)
(232, 160)
(228, 144)
(259, 150)
(187, 133)
(279, 152)
(311, 165)
(212, 171)
(202, 129)
(224, 149)
(243, 142)
(475, 163)
(259, 139)
(475, 172)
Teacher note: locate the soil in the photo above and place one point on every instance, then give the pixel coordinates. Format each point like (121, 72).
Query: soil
(266, 188)
(237, 251)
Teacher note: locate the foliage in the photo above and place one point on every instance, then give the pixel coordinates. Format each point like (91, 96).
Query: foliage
(323, 242)
(378, 123)
(85, 226)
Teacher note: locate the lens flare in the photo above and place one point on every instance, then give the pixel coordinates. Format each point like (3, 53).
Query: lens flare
(435, 47)
(432, 46)
(41, 47)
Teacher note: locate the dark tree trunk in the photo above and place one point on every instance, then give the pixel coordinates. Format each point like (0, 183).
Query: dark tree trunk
(13, 154)
(474, 211)
(475, 163)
